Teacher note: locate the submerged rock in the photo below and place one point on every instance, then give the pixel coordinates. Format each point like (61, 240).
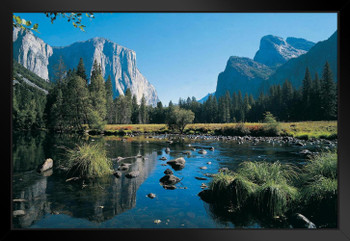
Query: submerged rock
(202, 151)
(170, 187)
(163, 158)
(201, 178)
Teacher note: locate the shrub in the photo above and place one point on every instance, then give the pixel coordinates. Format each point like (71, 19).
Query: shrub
(272, 127)
(88, 161)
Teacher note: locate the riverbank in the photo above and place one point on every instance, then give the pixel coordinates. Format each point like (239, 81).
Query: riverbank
(301, 130)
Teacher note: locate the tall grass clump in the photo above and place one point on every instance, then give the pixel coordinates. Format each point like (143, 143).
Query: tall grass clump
(88, 161)
(320, 186)
(260, 185)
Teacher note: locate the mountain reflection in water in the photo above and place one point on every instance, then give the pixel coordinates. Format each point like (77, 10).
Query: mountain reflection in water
(49, 193)
(51, 202)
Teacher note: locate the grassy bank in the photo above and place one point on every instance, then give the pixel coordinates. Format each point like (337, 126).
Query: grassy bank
(274, 188)
(302, 130)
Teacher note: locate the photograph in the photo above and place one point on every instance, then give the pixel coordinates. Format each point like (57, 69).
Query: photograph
(174, 120)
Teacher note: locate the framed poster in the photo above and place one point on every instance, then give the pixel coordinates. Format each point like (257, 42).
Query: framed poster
(230, 123)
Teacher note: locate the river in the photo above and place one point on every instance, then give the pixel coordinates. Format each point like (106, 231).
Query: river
(51, 202)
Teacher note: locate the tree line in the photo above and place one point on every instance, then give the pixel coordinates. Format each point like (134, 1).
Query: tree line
(75, 102)
(315, 100)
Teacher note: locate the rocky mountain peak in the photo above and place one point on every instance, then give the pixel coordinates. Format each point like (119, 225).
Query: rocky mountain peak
(31, 52)
(116, 61)
(300, 43)
(274, 51)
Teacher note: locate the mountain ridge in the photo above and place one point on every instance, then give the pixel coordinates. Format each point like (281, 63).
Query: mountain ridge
(258, 77)
(116, 61)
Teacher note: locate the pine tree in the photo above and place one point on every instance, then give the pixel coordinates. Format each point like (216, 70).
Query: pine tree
(316, 99)
(98, 98)
(109, 100)
(287, 93)
(77, 104)
(143, 117)
(81, 70)
(329, 95)
(307, 94)
(246, 106)
(134, 110)
(60, 71)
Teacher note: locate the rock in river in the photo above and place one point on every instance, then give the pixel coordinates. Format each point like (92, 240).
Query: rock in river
(132, 174)
(300, 221)
(48, 164)
(117, 174)
(168, 171)
(18, 213)
(177, 163)
(202, 151)
(163, 158)
(151, 195)
(169, 179)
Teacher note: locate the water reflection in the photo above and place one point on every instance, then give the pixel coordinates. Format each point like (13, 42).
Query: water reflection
(50, 201)
(95, 201)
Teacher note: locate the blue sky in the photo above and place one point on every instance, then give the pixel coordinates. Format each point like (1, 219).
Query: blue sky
(181, 54)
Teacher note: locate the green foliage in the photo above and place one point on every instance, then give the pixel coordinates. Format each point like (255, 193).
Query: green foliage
(272, 128)
(319, 182)
(275, 188)
(274, 198)
(267, 185)
(81, 69)
(88, 161)
(19, 22)
(329, 94)
(19, 73)
(178, 118)
(97, 91)
(324, 164)
(28, 101)
(109, 100)
(75, 18)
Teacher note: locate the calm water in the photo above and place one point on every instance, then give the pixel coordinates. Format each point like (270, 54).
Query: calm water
(51, 202)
